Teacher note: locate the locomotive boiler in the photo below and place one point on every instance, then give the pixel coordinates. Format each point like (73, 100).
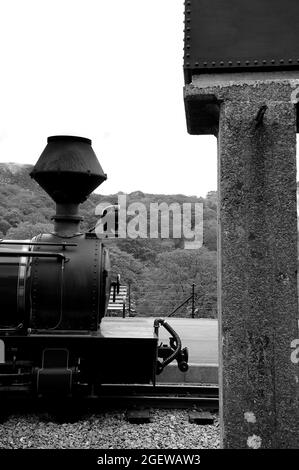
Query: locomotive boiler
(54, 292)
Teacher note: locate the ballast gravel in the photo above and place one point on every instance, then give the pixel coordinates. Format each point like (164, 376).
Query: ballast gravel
(169, 429)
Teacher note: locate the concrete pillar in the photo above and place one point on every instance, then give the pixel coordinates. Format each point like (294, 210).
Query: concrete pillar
(257, 255)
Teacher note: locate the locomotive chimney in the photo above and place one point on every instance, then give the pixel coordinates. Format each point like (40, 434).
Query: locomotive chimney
(68, 170)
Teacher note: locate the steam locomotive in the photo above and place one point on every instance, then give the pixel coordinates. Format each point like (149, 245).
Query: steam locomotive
(54, 292)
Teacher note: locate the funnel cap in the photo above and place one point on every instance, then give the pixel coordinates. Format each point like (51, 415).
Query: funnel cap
(68, 169)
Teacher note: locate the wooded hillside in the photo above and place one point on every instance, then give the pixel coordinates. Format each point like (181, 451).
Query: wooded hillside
(160, 271)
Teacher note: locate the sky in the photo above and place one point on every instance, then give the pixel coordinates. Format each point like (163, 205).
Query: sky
(111, 71)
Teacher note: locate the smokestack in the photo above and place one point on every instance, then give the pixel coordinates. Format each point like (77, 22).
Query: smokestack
(68, 170)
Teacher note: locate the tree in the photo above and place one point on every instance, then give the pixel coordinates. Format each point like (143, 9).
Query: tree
(25, 230)
(4, 226)
(13, 217)
(211, 200)
(170, 283)
(210, 234)
(127, 266)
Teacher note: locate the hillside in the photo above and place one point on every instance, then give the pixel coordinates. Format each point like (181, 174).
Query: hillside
(159, 271)
(15, 173)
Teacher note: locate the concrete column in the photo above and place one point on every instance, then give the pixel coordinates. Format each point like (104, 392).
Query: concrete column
(257, 257)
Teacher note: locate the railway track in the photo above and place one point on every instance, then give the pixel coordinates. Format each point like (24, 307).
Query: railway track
(171, 396)
(161, 396)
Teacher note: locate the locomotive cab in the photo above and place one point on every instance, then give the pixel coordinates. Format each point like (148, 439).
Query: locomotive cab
(54, 293)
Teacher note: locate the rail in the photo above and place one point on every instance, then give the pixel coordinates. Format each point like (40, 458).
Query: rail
(171, 396)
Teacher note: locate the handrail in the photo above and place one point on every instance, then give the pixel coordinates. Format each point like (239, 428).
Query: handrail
(12, 242)
(31, 254)
(181, 305)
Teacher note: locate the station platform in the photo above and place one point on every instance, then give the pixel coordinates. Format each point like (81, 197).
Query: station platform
(199, 335)
(196, 374)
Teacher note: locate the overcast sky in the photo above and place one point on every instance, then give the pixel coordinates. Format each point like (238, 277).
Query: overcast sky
(108, 70)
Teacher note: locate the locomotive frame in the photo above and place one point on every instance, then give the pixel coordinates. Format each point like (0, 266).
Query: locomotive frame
(54, 293)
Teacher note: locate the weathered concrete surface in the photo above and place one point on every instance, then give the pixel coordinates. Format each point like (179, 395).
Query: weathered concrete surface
(257, 261)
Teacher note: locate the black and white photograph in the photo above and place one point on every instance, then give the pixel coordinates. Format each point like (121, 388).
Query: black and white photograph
(148, 231)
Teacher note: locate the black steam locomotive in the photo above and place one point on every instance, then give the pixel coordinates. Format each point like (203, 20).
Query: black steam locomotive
(54, 292)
